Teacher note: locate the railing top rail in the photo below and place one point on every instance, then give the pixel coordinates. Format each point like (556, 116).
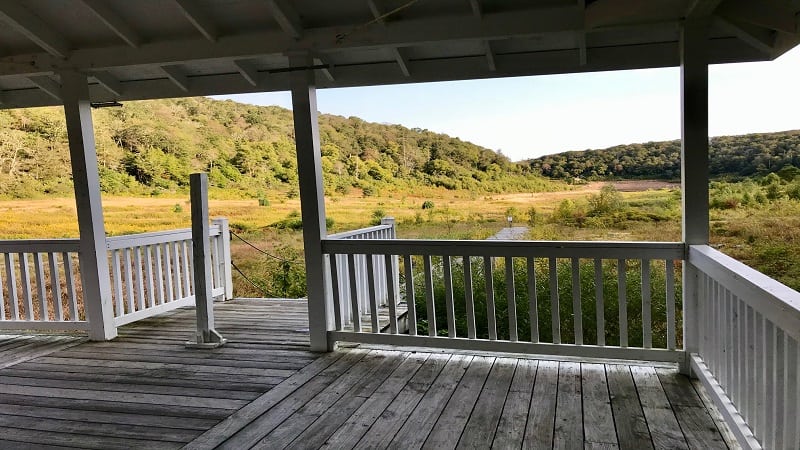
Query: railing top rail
(353, 233)
(39, 245)
(558, 249)
(771, 298)
(155, 237)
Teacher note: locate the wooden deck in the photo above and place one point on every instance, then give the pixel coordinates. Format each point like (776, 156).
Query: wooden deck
(264, 389)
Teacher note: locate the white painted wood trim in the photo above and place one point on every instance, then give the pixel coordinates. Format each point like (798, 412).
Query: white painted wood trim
(448, 296)
(39, 245)
(577, 305)
(55, 286)
(429, 299)
(360, 233)
(587, 351)
(44, 325)
(600, 311)
(95, 278)
(771, 298)
(539, 249)
(732, 417)
(411, 303)
(312, 196)
(511, 300)
(533, 303)
(469, 299)
(150, 312)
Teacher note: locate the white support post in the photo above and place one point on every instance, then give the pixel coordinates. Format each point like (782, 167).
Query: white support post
(205, 336)
(395, 260)
(95, 279)
(694, 168)
(226, 274)
(312, 200)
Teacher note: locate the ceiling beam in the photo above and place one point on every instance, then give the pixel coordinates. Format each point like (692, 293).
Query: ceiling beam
(247, 71)
(113, 21)
(40, 33)
(477, 11)
(404, 33)
(487, 48)
(759, 38)
(582, 36)
(47, 84)
(772, 14)
(178, 78)
(198, 18)
(376, 12)
(287, 18)
(320, 61)
(701, 8)
(401, 61)
(109, 82)
(664, 54)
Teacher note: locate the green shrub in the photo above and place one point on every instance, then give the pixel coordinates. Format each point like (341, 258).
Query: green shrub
(177, 208)
(533, 216)
(607, 201)
(427, 204)
(377, 215)
(263, 201)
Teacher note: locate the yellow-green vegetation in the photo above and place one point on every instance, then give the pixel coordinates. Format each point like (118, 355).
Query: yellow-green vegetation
(150, 148)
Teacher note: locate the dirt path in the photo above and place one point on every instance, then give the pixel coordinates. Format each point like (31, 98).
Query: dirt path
(510, 234)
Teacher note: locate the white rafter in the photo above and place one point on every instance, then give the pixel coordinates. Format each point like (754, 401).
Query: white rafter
(758, 38)
(477, 11)
(47, 84)
(198, 18)
(287, 18)
(325, 70)
(178, 78)
(487, 48)
(396, 52)
(109, 82)
(701, 8)
(114, 22)
(376, 12)
(404, 33)
(25, 22)
(401, 61)
(582, 58)
(247, 71)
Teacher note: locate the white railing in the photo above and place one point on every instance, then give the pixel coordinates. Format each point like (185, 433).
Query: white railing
(510, 296)
(748, 328)
(153, 272)
(368, 280)
(40, 285)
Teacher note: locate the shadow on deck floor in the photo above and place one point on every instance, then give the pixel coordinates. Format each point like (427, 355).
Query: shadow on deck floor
(266, 389)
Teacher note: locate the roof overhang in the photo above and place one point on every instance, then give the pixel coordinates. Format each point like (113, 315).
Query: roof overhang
(146, 49)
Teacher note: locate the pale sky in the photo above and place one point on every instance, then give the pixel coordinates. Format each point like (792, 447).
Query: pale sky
(531, 116)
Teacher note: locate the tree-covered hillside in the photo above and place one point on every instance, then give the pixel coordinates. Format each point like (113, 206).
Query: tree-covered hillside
(151, 147)
(733, 156)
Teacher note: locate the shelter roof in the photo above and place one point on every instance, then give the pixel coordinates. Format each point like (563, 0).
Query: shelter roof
(171, 48)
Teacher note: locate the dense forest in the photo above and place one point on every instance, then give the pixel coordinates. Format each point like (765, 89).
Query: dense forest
(730, 156)
(151, 147)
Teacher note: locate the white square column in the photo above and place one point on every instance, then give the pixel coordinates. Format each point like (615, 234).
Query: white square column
(95, 278)
(694, 168)
(312, 199)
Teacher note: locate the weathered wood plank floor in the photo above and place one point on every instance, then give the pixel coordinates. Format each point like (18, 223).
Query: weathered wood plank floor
(266, 390)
